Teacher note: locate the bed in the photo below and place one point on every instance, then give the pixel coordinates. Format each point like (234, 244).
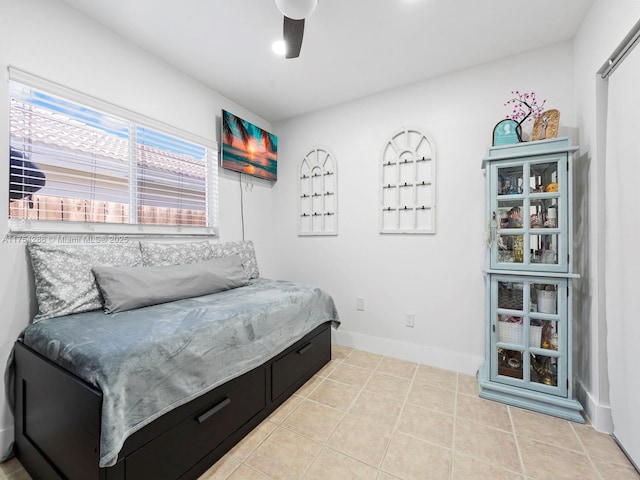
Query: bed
(164, 390)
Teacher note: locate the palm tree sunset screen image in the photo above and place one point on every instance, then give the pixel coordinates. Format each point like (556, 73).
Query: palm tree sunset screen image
(247, 148)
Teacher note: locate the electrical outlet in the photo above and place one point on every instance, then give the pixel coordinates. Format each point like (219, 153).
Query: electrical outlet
(360, 304)
(410, 319)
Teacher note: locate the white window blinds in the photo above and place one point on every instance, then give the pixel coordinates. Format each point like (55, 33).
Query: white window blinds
(75, 167)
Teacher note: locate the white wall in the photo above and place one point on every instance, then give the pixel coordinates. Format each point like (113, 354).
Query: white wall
(437, 277)
(47, 38)
(601, 32)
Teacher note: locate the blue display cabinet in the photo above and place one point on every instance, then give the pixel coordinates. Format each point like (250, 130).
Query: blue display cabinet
(528, 278)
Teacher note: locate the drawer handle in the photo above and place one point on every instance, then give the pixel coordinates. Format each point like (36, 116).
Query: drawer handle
(305, 349)
(215, 409)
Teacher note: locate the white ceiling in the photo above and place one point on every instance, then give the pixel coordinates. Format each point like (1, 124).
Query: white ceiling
(351, 48)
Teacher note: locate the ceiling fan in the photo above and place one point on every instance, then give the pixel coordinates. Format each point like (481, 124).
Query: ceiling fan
(294, 11)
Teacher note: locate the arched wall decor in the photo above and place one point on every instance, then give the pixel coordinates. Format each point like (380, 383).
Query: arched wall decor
(408, 183)
(318, 193)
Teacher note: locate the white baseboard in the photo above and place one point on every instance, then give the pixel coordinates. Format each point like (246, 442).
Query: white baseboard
(435, 357)
(599, 415)
(6, 439)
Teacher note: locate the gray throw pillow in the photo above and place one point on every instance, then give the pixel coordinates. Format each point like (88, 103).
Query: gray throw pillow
(64, 280)
(126, 288)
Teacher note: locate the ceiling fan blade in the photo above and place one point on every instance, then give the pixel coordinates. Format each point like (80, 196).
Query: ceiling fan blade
(292, 34)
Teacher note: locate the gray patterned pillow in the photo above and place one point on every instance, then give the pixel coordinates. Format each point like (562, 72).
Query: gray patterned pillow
(244, 249)
(160, 254)
(63, 274)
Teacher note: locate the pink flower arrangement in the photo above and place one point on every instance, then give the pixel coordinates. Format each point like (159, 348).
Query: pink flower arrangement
(525, 107)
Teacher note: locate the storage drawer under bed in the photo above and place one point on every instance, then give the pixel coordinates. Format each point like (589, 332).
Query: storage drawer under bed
(288, 370)
(228, 408)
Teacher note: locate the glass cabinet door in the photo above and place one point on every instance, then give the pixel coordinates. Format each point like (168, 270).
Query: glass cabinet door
(529, 333)
(528, 201)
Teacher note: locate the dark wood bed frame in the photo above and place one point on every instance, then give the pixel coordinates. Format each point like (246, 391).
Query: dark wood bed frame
(57, 418)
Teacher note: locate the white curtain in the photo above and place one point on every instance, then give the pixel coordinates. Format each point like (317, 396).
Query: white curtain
(622, 258)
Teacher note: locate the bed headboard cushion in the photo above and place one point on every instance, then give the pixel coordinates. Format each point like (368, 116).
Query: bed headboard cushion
(158, 254)
(243, 248)
(126, 288)
(63, 274)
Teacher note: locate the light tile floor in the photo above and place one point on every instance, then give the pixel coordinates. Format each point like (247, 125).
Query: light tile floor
(366, 416)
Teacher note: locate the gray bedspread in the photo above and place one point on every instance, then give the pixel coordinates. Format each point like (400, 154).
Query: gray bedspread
(153, 359)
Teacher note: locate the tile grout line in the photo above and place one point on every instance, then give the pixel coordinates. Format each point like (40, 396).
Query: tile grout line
(232, 470)
(515, 437)
(324, 445)
(453, 429)
(348, 411)
(244, 460)
(363, 389)
(394, 430)
(586, 452)
(345, 413)
(259, 472)
(375, 369)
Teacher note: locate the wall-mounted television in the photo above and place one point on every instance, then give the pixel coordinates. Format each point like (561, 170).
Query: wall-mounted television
(247, 148)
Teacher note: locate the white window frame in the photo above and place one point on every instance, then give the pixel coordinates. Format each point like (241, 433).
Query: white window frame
(59, 227)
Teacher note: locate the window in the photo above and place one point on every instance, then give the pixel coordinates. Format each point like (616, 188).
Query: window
(79, 164)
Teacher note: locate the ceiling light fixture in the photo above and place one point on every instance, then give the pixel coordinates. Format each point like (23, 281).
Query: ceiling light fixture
(296, 9)
(279, 47)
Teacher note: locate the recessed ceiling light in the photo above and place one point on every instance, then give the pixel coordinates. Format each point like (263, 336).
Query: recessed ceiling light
(279, 48)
